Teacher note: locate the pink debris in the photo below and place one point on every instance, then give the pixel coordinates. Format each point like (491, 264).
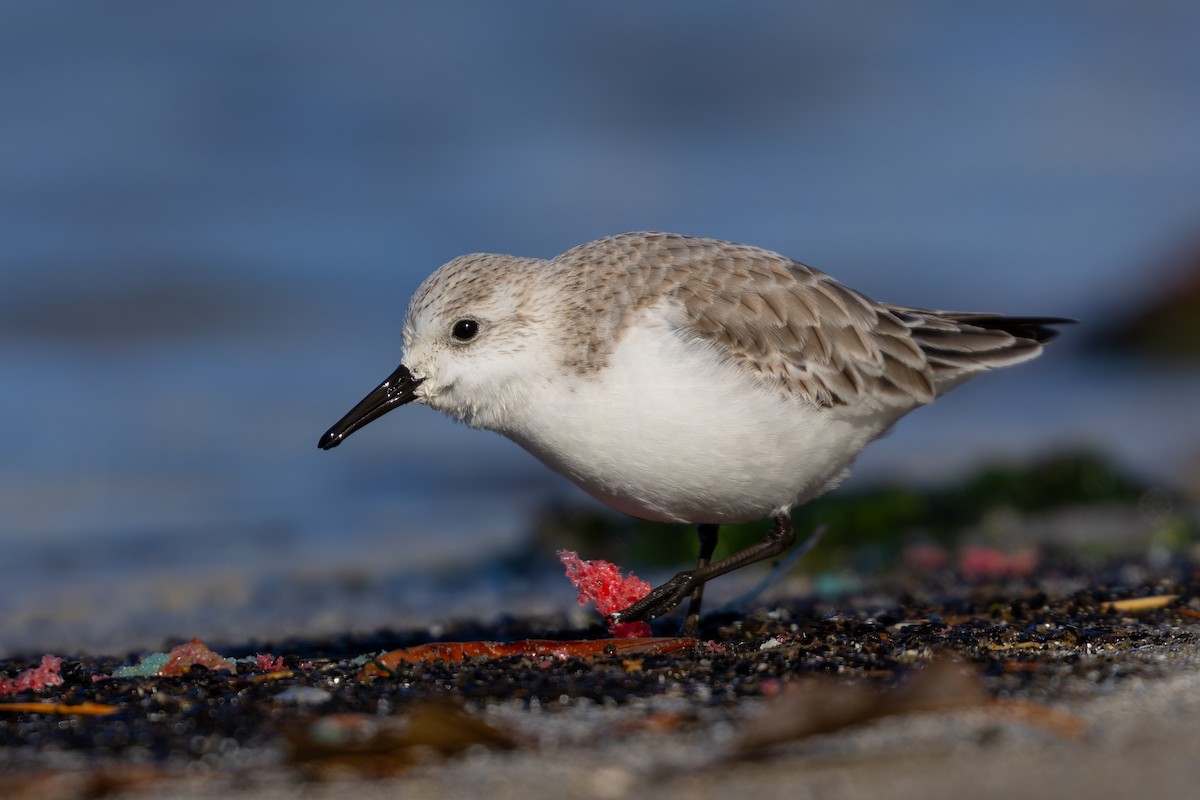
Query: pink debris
(267, 662)
(987, 563)
(603, 584)
(925, 557)
(35, 678)
(194, 653)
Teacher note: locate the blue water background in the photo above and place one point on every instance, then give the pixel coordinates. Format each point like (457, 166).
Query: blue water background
(212, 216)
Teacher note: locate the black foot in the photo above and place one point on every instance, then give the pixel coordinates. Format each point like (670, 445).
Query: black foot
(660, 601)
(664, 599)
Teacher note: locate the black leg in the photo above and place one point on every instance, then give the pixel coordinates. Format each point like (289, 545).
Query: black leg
(708, 543)
(670, 594)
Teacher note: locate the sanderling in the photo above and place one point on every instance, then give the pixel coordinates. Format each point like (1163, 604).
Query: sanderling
(682, 379)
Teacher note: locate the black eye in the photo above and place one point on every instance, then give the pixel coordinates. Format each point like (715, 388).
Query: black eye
(465, 330)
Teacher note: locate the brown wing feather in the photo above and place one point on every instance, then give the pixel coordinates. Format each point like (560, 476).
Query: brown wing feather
(794, 326)
(958, 343)
(814, 338)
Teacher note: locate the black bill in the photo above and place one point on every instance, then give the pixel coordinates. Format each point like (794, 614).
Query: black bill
(399, 388)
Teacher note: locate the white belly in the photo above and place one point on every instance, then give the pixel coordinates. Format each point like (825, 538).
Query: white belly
(670, 432)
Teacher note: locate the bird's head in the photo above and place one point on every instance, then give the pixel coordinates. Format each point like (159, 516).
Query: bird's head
(472, 339)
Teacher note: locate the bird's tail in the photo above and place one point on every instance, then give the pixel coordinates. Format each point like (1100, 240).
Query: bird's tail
(958, 344)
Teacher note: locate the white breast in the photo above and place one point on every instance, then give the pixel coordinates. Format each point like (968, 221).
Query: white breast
(670, 431)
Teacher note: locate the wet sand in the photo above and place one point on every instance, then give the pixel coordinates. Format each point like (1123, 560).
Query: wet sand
(1050, 691)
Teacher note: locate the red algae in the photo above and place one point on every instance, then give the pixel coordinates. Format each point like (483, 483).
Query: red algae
(194, 653)
(35, 678)
(925, 557)
(602, 583)
(979, 563)
(268, 663)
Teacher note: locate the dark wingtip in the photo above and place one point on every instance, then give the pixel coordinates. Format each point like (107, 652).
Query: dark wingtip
(1039, 329)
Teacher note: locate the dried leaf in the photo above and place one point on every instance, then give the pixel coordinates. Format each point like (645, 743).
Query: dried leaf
(81, 709)
(1135, 605)
(1060, 723)
(97, 782)
(660, 722)
(823, 705)
(1013, 645)
(534, 648)
(367, 745)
